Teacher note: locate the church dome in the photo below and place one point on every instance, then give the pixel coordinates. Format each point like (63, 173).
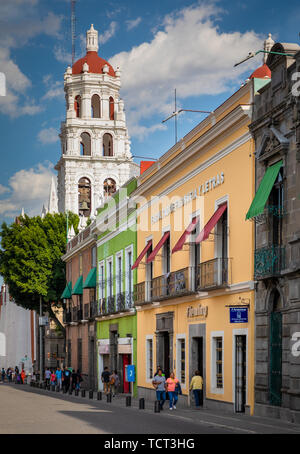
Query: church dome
(263, 72)
(95, 63)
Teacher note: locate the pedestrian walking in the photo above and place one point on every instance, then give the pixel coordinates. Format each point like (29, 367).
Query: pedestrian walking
(196, 386)
(159, 383)
(105, 377)
(66, 379)
(114, 382)
(23, 376)
(47, 376)
(9, 374)
(79, 379)
(53, 378)
(162, 372)
(58, 374)
(3, 374)
(173, 388)
(73, 379)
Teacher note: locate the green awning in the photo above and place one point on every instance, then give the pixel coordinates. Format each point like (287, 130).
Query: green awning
(78, 289)
(264, 191)
(90, 281)
(67, 293)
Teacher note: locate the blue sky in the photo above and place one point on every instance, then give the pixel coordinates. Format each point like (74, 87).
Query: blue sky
(160, 45)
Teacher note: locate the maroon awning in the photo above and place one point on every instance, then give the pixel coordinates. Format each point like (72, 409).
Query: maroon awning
(142, 255)
(187, 232)
(211, 223)
(158, 247)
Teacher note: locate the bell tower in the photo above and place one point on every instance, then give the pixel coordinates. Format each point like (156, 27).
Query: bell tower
(95, 146)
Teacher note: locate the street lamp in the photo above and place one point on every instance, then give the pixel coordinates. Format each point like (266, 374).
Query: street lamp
(253, 54)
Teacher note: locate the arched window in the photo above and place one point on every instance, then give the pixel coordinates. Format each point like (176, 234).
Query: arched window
(108, 145)
(77, 106)
(96, 110)
(111, 108)
(84, 197)
(85, 144)
(109, 187)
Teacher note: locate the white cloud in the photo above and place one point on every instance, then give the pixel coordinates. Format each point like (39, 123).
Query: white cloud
(62, 55)
(48, 135)
(131, 24)
(189, 53)
(19, 22)
(29, 189)
(54, 89)
(3, 189)
(109, 33)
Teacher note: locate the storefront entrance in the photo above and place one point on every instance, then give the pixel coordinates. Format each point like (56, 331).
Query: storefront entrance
(275, 358)
(240, 373)
(126, 361)
(164, 342)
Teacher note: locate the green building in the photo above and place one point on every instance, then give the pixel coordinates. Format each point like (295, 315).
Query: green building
(116, 253)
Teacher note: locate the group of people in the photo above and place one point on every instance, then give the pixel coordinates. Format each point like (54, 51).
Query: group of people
(13, 375)
(172, 386)
(111, 381)
(63, 378)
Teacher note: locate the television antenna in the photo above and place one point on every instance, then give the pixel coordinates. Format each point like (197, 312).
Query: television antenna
(73, 29)
(177, 112)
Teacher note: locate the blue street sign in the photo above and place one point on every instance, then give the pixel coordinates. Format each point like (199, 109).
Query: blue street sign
(238, 315)
(130, 373)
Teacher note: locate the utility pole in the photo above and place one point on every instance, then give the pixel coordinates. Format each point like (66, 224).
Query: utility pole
(73, 29)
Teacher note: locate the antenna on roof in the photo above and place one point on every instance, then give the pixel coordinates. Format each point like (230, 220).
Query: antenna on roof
(177, 112)
(73, 29)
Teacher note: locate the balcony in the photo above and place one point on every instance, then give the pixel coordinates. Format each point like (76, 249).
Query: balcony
(214, 274)
(124, 301)
(111, 305)
(269, 262)
(172, 285)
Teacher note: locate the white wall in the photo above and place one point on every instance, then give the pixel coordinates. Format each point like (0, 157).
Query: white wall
(15, 335)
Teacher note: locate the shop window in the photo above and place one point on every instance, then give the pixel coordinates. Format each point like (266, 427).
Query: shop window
(84, 197)
(96, 110)
(149, 358)
(181, 360)
(219, 362)
(108, 145)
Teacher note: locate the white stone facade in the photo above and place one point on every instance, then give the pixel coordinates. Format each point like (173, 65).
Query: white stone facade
(72, 165)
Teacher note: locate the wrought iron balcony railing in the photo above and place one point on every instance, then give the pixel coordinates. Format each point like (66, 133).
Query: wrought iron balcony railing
(171, 284)
(213, 274)
(111, 308)
(124, 301)
(93, 309)
(74, 314)
(269, 261)
(86, 311)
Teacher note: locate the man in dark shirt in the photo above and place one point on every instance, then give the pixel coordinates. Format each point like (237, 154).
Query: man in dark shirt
(105, 377)
(67, 377)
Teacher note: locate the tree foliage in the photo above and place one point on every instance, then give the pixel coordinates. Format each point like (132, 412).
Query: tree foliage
(30, 259)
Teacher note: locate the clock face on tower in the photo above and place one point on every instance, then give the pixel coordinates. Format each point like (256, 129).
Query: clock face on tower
(96, 158)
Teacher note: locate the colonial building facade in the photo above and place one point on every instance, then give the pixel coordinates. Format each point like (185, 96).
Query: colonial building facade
(81, 306)
(116, 320)
(96, 158)
(276, 213)
(195, 289)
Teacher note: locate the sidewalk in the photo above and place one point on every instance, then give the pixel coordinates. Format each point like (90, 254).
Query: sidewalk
(241, 423)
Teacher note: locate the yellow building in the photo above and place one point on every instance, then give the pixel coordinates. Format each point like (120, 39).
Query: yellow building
(195, 291)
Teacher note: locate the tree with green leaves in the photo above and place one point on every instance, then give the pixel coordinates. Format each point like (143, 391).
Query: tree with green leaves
(30, 260)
